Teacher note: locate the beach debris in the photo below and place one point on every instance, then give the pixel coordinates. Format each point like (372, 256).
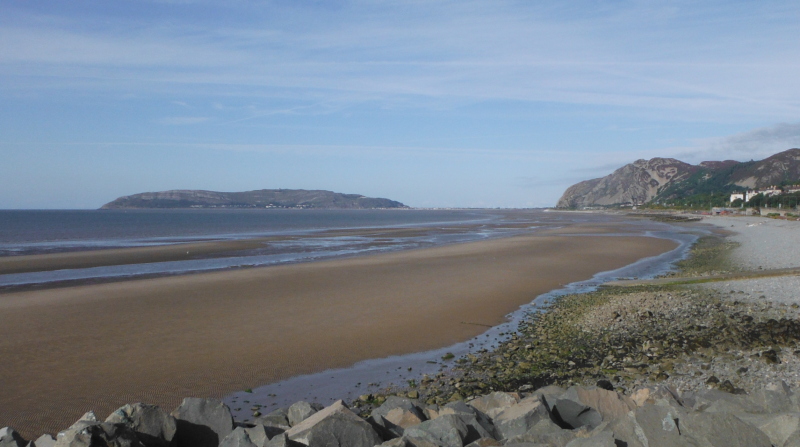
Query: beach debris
(202, 422)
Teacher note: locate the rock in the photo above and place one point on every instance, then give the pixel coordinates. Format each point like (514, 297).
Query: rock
(260, 434)
(479, 424)
(447, 431)
(393, 402)
(278, 418)
(723, 430)
(544, 432)
(409, 411)
(650, 395)
(602, 439)
(396, 442)
(778, 427)
(202, 422)
(494, 403)
(93, 433)
(417, 442)
(775, 400)
(238, 438)
(550, 392)
(153, 426)
(282, 440)
(335, 425)
(10, 438)
(609, 405)
(484, 442)
(300, 411)
(651, 426)
(397, 420)
(44, 441)
(521, 417)
(716, 401)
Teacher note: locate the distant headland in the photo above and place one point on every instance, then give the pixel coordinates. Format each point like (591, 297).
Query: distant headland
(263, 198)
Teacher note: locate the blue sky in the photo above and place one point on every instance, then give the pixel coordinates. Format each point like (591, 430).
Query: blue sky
(433, 103)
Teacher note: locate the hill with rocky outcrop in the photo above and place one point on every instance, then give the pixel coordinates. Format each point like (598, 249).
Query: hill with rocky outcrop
(668, 179)
(264, 198)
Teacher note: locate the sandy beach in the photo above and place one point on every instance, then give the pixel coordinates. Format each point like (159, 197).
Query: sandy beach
(96, 347)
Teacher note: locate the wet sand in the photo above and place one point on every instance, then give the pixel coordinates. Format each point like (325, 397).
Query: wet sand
(73, 349)
(188, 250)
(122, 256)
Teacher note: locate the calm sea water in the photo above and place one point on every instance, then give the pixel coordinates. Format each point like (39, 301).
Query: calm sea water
(39, 231)
(305, 236)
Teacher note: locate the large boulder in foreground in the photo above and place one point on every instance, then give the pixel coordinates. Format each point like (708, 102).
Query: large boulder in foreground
(300, 411)
(517, 419)
(10, 438)
(96, 434)
(494, 403)
(44, 441)
(579, 406)
(447, 430)
(239, 438)
(153, 426)
(334, 426)
(202, 422)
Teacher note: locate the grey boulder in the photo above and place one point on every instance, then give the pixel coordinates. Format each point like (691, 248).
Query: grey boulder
(202, 422)
(238, 438)
(282, 440)
(334, 426)
(602, 439)
(519, 418)
(579, 406)
(447, 431)
(278, 418)
(92, 433)
(44, 441)
(10, 438)
(494, 403)
(724, 430)
(300, 411)
(153, 426)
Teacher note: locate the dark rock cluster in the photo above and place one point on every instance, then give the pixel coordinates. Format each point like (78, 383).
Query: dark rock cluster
(550, 416)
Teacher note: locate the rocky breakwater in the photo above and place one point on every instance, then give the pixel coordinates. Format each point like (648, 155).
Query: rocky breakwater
(551, 416)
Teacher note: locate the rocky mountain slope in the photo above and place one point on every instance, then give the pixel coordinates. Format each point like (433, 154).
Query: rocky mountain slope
(664, 179)
(264, 198)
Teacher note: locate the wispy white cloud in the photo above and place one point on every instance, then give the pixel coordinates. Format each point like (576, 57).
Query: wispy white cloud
(449, 51)
(183, 120)
(754, 144)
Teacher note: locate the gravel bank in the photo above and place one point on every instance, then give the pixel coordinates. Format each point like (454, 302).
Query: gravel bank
(763, 243)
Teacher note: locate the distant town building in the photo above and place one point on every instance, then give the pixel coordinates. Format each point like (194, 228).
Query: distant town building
(768, 192)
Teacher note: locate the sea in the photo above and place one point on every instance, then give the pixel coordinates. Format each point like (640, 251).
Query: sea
(289, 236)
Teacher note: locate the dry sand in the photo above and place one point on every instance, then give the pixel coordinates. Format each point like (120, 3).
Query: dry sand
(97, 347)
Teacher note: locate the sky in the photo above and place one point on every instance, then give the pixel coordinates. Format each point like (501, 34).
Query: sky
(432, 103)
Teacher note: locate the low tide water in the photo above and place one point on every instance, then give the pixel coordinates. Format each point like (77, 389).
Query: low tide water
(290, 236)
